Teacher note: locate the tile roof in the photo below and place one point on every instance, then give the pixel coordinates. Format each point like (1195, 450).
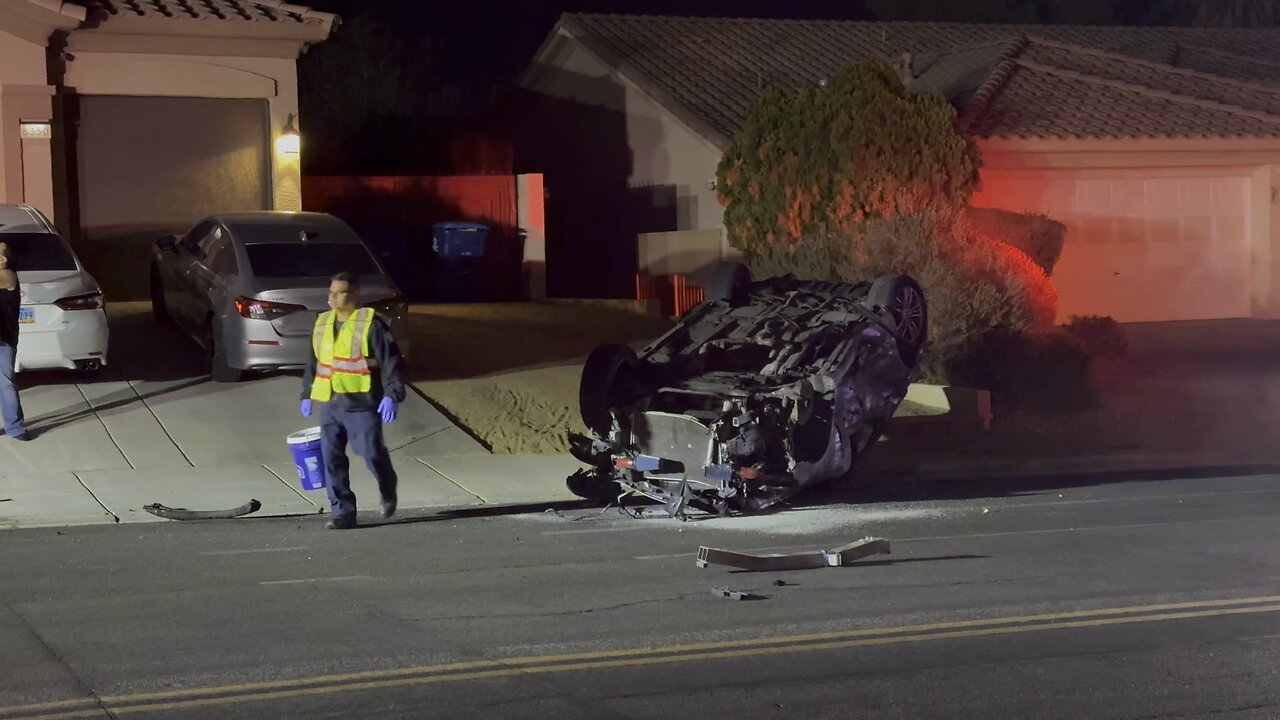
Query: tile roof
(272, 11)
(1170, 82)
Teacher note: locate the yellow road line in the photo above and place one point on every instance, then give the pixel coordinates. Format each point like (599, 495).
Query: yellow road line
(450, 672)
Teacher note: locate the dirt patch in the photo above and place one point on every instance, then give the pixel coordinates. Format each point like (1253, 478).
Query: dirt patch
(508, 372)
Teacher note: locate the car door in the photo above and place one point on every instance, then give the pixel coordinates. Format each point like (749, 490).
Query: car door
(173, 273)
(210, 275)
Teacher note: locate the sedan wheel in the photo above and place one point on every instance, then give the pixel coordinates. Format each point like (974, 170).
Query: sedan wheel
(159, 310)
(219, 370)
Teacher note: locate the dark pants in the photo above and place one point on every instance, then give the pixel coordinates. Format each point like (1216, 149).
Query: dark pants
(364, 430)
(10, 406)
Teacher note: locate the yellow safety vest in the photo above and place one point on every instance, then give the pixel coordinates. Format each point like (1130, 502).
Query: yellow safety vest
(342, 362)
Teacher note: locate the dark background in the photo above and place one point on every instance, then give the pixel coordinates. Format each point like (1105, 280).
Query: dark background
(411, 86)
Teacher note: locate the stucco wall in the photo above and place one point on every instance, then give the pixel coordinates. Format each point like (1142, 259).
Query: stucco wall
(21, 65)
(617, 166)
(271, 79)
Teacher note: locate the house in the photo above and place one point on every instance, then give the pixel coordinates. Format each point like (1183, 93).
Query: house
(126, 119)
(1159, 148)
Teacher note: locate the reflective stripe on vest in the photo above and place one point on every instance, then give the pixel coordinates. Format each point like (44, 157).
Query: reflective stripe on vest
(347, 372)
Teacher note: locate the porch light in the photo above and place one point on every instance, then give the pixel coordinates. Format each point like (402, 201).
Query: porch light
(290, 141)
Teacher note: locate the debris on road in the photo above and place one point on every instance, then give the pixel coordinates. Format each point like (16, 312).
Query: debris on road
(842, 556)
(733, 594)
(169, 513)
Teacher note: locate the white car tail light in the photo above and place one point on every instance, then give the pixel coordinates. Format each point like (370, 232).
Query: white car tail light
(88, 301)
(263, 309)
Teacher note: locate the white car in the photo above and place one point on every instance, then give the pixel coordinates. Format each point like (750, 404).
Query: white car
(63, 319)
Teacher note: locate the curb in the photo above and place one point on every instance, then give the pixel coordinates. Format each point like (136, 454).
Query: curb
(1078, 465)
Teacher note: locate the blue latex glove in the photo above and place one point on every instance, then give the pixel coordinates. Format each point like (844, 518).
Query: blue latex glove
(387, 408)
(305, 408)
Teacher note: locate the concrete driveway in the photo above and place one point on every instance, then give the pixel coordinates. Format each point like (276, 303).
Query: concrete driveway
(154, 419)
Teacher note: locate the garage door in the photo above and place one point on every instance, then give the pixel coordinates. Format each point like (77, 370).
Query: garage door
(1142, 249)
(148, 166)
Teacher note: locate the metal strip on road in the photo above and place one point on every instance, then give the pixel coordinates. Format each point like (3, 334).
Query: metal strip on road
(732, 649)
(254, 551)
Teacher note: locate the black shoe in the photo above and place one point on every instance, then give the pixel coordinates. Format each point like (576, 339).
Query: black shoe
(388, 508)
(24, 437)
(342, 523)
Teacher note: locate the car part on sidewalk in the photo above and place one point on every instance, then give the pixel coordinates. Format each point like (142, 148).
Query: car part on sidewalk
(169, 513)
(842, 556)
(764, 389)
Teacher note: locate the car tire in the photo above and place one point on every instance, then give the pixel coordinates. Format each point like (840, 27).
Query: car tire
(730, 282)
(609, 379)
(219, 370)
(159, 310)
(901, 297)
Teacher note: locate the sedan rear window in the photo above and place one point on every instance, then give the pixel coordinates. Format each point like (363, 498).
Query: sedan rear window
(310, 259)
(34, 252)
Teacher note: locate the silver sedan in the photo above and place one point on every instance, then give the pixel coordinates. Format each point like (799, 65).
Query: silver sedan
(248, 286)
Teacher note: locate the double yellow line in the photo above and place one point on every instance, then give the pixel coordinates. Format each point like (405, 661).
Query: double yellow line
(533, 665)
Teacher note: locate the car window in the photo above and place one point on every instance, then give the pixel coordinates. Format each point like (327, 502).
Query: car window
(219, 255)
(191, 241)
(34, 252)
(310, 259)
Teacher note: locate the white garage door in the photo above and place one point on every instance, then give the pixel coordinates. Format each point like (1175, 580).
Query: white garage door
(1142, 249)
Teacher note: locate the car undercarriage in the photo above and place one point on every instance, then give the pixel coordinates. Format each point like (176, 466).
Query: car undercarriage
(764, 389)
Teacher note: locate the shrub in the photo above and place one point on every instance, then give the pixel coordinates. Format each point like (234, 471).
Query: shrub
(818, 162)
(1031, 371)
(1101, 336)
(1039, 236)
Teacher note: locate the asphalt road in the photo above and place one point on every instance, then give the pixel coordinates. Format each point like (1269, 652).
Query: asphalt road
(1117, 599)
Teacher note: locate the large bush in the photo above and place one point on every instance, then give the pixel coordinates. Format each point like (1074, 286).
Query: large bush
(821, 161)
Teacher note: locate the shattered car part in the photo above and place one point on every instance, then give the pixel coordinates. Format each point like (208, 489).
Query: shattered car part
(732, 594)
(842, 556)
(169, 513)
(764, 389)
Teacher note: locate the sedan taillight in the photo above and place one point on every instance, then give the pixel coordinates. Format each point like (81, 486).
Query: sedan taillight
(88, 301)
(263, 309)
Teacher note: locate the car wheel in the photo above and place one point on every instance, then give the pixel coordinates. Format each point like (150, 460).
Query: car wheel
(730, 282)
(159, 310)
(902, 297)
(609, 380)
(219, 370)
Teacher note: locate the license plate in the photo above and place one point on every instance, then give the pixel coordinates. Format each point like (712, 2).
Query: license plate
(26, 315)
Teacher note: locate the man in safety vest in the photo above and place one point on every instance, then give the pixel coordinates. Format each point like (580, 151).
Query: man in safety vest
(355, 370)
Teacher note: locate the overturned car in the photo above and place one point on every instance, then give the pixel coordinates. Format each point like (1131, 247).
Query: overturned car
(764, 389)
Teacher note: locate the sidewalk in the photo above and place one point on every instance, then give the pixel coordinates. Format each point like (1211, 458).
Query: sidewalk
(106, 497)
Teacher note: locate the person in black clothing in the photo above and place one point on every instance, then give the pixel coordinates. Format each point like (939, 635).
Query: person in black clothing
(361, 390)
(10, 305)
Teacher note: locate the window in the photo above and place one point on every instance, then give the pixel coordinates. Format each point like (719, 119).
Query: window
(310, 260)
(190, 242)
(35, 252)
(220, 257)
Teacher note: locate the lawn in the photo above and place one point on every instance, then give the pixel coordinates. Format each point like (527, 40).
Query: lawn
(508, 372)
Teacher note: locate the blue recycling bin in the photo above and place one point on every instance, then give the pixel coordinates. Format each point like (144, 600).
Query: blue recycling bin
(459, 248)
